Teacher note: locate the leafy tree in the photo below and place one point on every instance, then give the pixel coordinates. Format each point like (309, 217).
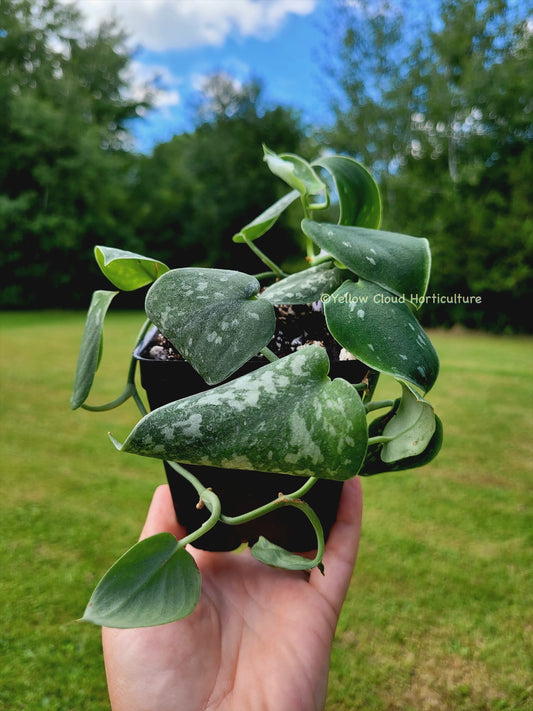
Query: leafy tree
(451, 141)
(197, 190)
(362, 69)
(64, 164)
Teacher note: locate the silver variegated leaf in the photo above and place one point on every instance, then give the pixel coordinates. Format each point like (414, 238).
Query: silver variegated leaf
(212, 317)
(380, 329)
(286, 417)
(398, 263)
(305, 286)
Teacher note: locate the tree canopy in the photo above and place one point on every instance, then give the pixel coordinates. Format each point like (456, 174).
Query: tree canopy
(63, 141)
(434, 99)
(69, 179)
(442, 111)
(197, 190)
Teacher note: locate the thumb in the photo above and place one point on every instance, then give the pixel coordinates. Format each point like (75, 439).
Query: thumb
(161, 516)
(341, 547)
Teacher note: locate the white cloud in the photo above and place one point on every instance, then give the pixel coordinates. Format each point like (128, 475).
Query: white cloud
(164, 86)
(180, 24)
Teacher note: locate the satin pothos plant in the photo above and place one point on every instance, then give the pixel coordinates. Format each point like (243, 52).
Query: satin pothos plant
(287, 416)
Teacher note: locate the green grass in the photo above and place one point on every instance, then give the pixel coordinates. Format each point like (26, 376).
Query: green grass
(439, 612)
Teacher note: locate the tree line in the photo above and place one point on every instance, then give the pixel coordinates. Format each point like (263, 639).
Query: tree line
(437, 105)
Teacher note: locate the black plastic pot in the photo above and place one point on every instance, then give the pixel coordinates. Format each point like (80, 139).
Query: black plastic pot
(241, 490)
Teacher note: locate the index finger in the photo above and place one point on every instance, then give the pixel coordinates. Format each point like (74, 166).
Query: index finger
(161, 516)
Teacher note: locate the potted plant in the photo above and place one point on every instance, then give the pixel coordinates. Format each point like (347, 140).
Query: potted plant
(260, 386)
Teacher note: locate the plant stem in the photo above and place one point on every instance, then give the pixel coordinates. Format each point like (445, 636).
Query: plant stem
(142, 333)
(262, 256)
(269, 355)
(282, 500)
(139, 403)
(378, 405)
(309, 244)
(129, 391)
(200, 488)
(265, 275)
(209, 498)
(315, 522)
(381, 439)
(133, 366)
(321, 259)
(212, 502)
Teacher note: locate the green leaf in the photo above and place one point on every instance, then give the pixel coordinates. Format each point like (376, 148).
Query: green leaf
(127, 270)
(266, 219)
(411, 428)
(212, 317)
(91, 347)
(374, 464)
(275, 555)
(285, 417)
(358, 192)
(305, 286)
(155, 582)
(380, 329)
(398, 263)
(296, 172)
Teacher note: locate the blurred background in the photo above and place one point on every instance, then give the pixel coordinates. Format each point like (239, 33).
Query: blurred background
(434, 98)
(138, 124)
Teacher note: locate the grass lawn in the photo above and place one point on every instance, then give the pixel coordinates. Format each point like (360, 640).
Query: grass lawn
(439, 615)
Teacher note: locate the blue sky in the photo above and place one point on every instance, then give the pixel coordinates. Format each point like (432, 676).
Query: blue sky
(183, 41)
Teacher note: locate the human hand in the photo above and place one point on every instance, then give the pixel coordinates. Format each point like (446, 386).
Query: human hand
(259, 639)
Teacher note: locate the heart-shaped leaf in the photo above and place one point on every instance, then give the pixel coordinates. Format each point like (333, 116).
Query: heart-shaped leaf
(127, 270)
(380, 329)
(374, 464)
(155, 582)
(91, 347)
(278, 557)
(296, 172)
(411, 428)
(266, 219)
(212, 317)
(398, 263)
(285, 417)
(304, 287)
(357, 191)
